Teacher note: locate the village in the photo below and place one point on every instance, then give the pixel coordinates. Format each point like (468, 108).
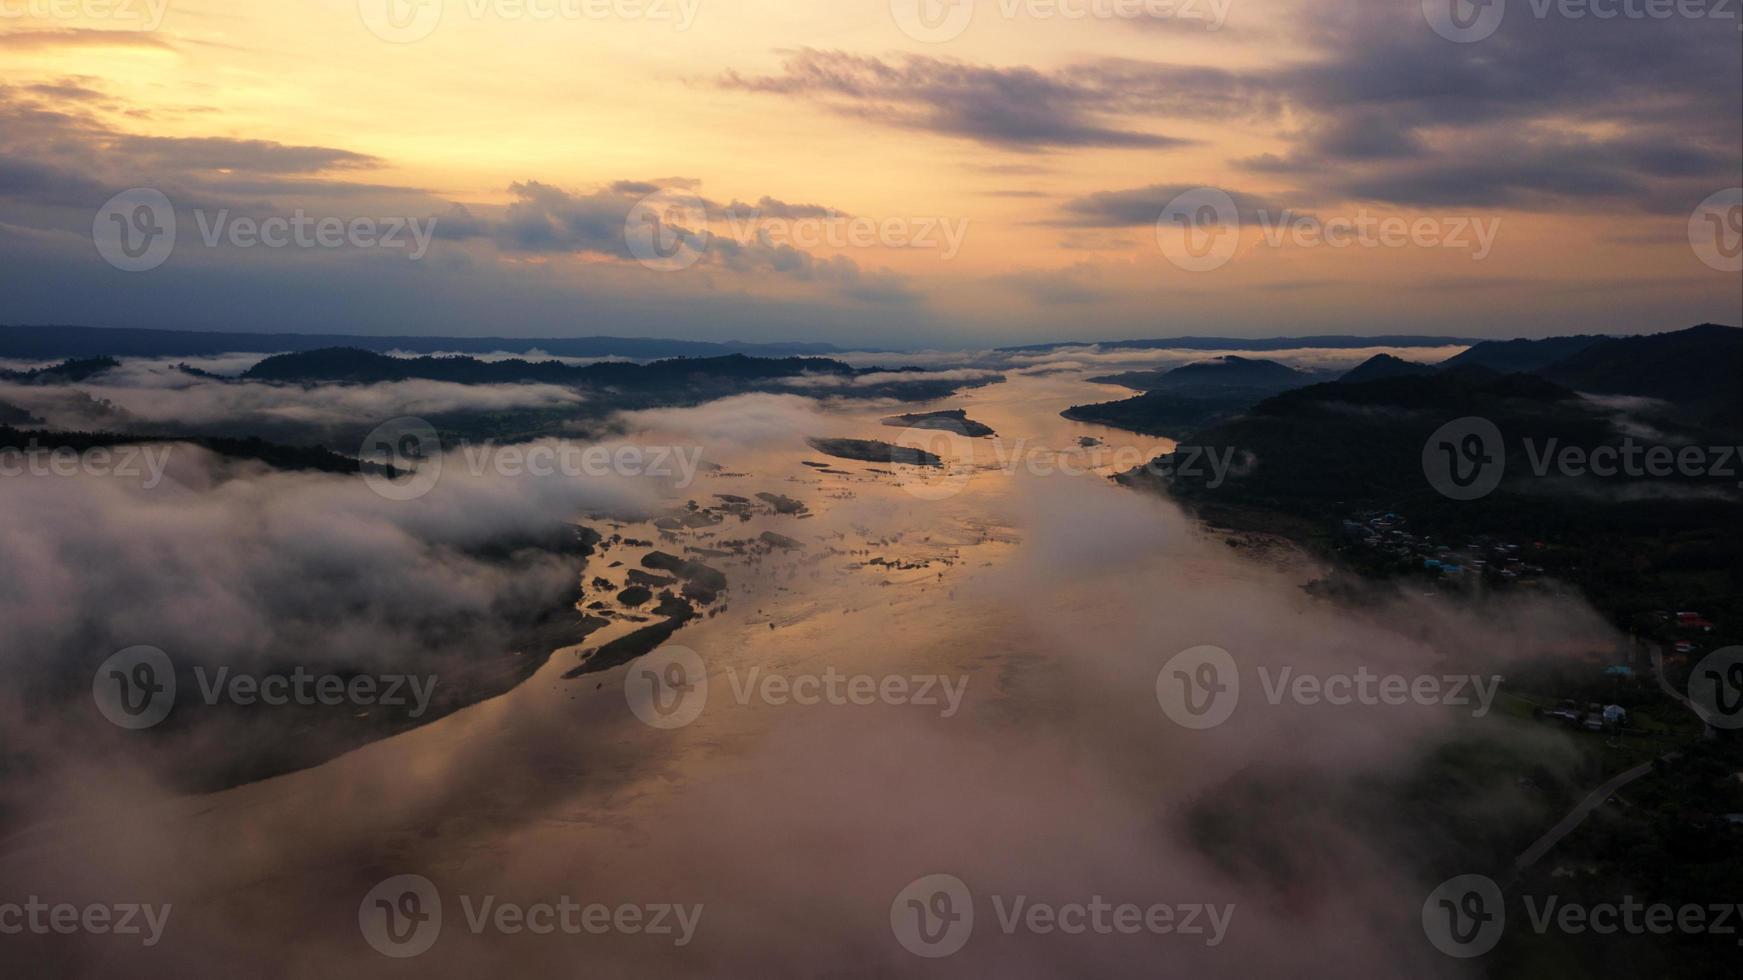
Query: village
(1679, 637)
(1481, 558)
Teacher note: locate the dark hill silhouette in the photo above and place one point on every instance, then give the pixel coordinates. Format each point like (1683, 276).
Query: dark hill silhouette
(1329, 341)
(1165, 413)
(13, 415)
(1511, 356)
(273, 454)
(71, 371)
(43, 342)
(1181, 401)
(1385, 366)
(348, 364)
(1218, 372)
(1699, 369)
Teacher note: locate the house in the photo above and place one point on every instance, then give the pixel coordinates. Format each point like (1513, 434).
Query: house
(1693, 620)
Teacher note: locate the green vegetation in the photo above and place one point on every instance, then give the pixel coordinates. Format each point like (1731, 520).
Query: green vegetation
(1640, 549)
(954, 420)
(1166, 414)
(873, 451)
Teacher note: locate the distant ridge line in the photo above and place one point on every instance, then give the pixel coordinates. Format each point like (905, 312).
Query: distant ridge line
(1329, 341)
(45, 342)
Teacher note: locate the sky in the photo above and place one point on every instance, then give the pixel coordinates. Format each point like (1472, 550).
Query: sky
(872, 172)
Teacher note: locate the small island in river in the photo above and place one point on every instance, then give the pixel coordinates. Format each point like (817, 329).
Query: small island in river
(952, 420)
(873, 451)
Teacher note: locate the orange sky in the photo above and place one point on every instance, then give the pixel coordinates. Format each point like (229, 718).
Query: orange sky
(1003, 132)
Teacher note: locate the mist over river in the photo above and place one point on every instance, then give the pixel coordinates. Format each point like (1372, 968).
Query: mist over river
(942, 672)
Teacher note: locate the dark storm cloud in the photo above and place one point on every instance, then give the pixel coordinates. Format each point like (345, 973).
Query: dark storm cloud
(64, 154)
(652, 186)
(1018, 108)
(20, 178)
(769, 207)
(1143, 205)
(63, 165)
(70, 90)
(1365, 136)
(544, 218)
(1545, 171)
(217, 153)
(547, 219)
(1398, 114)
(1668, 160)
(839, 273)
(1555, 114)
(1526, 185)
(1379, 108)
(268, 187)
(1638, 118)
(1389, 60)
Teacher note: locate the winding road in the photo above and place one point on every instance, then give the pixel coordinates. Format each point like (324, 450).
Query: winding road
(1578, 815)
(1597, 797)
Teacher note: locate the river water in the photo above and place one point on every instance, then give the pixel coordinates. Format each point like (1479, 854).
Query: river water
(1010, 611)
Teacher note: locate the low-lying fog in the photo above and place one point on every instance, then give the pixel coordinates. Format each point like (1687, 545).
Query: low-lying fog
(1034, 601)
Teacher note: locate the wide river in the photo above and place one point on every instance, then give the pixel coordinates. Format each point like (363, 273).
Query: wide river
(955, 674)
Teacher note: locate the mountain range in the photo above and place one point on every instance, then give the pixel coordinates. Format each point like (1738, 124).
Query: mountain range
(358, 366)
(46, 342)
(1327, 341)
(1694, 376)
(1215, 376)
